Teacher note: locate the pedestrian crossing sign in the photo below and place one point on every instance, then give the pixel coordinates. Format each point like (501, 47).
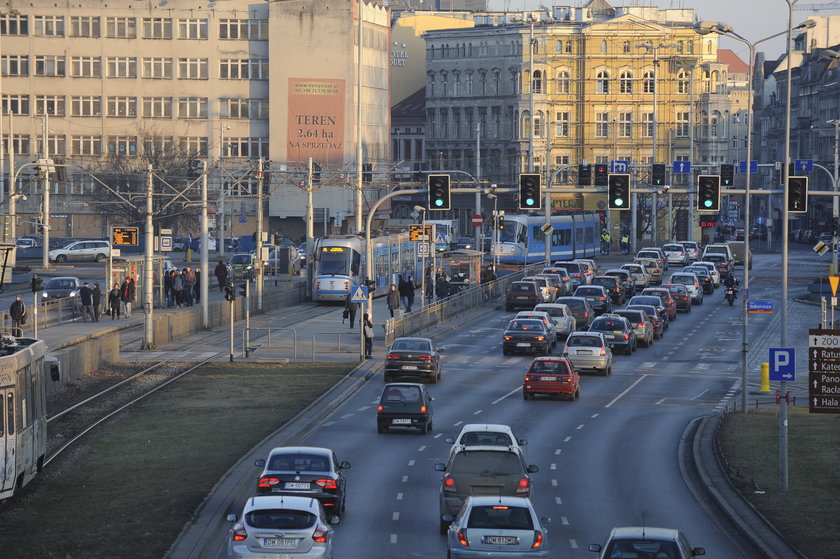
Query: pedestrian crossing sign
(360, 295)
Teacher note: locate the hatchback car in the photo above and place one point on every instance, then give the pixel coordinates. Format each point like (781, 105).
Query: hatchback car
(581, 309)
(639, 275)
(703, 276)
(652, 268)
(722, 263)
(551, 376)
(691, 283)
(654, 301)
(275, 526)
(646, 542)
(588, 269)
(58, 288)
(654, 253)
(305, 471)
(546, 290)
(529, 334)
(486, 434)
(404, 404)
(589, 351)
(617, 331)
(612, 285)
(641, 323)
(476, 470)
(561, 315)
(575, 270)
(712, 270)
(95, 251)
(676, 254)
(566, 280)
(555, 282)
(489, 525)
(655, 318)
(522, 294)
(692, 248)
(413, 357)
(546, 319)
(597, 297)
(667, 301)
(625, 279)
(681, 297)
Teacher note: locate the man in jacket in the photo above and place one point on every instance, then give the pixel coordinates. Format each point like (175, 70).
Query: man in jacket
(189, 284)
(114, 301)
(127, 295)
(97, 299)
(393, 299)
(221, 274)
(18, 313)
(351, 307)
(86, 299)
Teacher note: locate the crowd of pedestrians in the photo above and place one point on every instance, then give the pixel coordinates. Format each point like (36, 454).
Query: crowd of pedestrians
(182, 288)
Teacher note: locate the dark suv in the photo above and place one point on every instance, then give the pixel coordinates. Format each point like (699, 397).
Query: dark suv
(612, 285)
(522, 295)
(582, 310)
(617, 330)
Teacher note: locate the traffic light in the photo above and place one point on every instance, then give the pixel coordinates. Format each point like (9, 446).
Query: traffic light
(243, 289)
(230, 292)
(316, 173)
(618, 192)
(708, 193)
(797, 200)
(657, 174)
(37, 283)
(727, 174)
(500, 220)
(440, 197)
(584, 175)
(530, 194)
(601, 175)
(367, 172)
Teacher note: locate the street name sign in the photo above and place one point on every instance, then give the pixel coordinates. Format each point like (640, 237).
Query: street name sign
(824, 370)
(782, 363)
(760, 306)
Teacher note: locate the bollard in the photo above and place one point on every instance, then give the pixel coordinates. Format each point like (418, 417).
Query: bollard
(189, 255)
(765, 377)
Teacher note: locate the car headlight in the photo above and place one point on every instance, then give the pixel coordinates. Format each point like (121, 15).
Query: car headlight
(71, 294)
(44, 295)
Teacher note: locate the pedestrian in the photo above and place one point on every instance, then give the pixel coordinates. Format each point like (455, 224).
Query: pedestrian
(197, 286)
(625, 243)
(367, 331)
(351, 307)
(167, 288)
(393, 299)
(18, 313)
(607, 241)
(97, 300)
(409, 289)
(221, 274)
(178, 287)
(189, 284)
(127, 295)
(114, 301)
(86, 299)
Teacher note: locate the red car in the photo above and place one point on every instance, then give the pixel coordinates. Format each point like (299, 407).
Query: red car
(667, 300)
(680, 295)
(552, 376)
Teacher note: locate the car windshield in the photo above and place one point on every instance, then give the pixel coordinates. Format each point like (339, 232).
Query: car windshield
(589, 291)
(584, 341)
(642, 548)
(280, 519)
(500, 518)
(299, 462)
(59, 283)
(412, 345)
(489, 462)
(525, 325)
(485, 438)
(406, 394)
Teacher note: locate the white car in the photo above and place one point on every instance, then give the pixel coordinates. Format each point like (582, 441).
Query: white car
(691, 283)
(486, 434)
(692, 248)
(96, 251)
(712, 270)
(676, 254)
(561, 315)
(645, 541)
(639, 275)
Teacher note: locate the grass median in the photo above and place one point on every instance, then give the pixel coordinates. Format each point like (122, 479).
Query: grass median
(807, 513)
(129, 489)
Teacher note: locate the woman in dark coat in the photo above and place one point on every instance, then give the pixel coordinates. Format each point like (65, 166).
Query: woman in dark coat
(393, 299)
(114, 301)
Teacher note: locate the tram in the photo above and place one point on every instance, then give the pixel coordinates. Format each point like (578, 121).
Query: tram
(23, 410)
(340, 263)
(574, 235)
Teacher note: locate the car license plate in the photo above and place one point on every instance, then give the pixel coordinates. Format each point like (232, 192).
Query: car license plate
(548, 378)
(523, 344)
(296, 485)
(284, 543)
(584, 352)
(402, 421)
(523, 298)
(590, 298)
(409, 367)
(501, 540)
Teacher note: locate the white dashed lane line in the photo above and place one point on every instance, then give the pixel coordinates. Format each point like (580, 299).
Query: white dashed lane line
(457, 424)
(553, 467)
(346, 416)
(405, 479)
(554, 483)
(558, 501)
(399, 496)
(557, 451)
(393, 538)
(573, 544)
(567, 439)
(411, 462)
(594, 415)
(477, 412)
(395, 516)
(421, 448)
(564, 521)
(580, 426)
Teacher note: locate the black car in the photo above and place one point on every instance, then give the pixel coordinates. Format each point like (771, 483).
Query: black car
(618, 332)
(583, 312)
(526, 335)
(655, 317)
(305, 471)
(628, 284)
(413, 358)
(404, 404)
(704, 276)
(612, 285)
(597, 297)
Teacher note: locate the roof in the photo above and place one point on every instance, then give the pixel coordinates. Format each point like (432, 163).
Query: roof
(736, 65)
(486, 500)
(413, 106)
(301, 449)
(486, 427)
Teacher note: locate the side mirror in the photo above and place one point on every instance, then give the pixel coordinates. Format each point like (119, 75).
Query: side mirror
(594, 547)
(533, 469)
(449, 440)
(260, 463)
(344, 465)
(440, 467)
(335, 519)
(698, 551)
(447, 518)
(231, 518)
(441, 350)
(545, 520)
(522, 442)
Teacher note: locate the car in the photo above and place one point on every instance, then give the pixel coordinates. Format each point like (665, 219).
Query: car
(404, 404)
(703, 276)
(681, 297)
(625, 279)
(654, 301)
(24, 243)
(471, 470)
(275, 526)
(239, 264)
(692, 248)
(546, 289)
(720, 248)
(95, 251)
(655, 318)
(576, 272)
(667, 301)
(646, 541)
(488, 525)
(464, 241)
(675, 254)
(652, 268)
(581, 309)
(612, 285)
(739, 234)
(589, 351)
(413, 358)
(654, 253)
(522, 294)
(712, 270)
(691, 283)
(546, 320)
(560, 313)
(556, 285)
(563, 273)
(486, 434)
(642, 325)
(617, 331)
(61, 287)
(551, 376)
(723, 264)
(597, 297)
(305, 471)
(588, 268)
(639, 274)
(530, 334)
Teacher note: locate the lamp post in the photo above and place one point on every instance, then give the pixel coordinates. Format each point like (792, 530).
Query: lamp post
(422, 210)
(835, 204)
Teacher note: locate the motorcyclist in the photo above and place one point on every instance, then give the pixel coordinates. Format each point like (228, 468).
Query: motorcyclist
(730, 281)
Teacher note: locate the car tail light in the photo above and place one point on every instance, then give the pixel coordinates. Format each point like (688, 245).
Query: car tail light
(682, 254)
(425, 358)
(327, 483)
(627, 335)
(656, 270)
(239, 533)
(268, 481)
(422, 409)
(577, 275)
(603, 351)
(601, 297)
(533, 297)
(538, 539)
(565, 349)
(320, 534)
(523, 487)
(347, 284)
(539, 338)
(462, 538)
(379, 409)
(393, 356)
(508, 338)
(641, 324)
(449, 485)
(586, 314)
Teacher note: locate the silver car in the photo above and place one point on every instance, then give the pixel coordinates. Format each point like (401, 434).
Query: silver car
(589, 351)
(712, 270)
(492, 526)
(639, 275)
(692, 248)
(645, 541)
(676, 254)
(561, 315)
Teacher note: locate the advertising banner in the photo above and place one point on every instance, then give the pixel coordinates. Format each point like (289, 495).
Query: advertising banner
(316, 120)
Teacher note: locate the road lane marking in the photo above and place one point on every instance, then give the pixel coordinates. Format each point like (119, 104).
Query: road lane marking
(567, 439)
(660, 401)
(399, 496)
(477, 412)
(628, 389)
(395, 516)
(558, 501)
(554, 483)
(405, 479)
(649, 364)
(411, 462)
(437, 436)
(421, 448)
(346, 416)
(393, 538)
(694, 398)
(580, 426)
(553, 467)
(564, 521)
(514, 391)
(594, 415)
(556, 452)
(456, 424)
(329, 423)
(573, 544)
(363, 408)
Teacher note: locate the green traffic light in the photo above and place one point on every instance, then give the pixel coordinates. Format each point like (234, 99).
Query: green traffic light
(438, 202)
(529, 201)
(618, 202)
(707, 203)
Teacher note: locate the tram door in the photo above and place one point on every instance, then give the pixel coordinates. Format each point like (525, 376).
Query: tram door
(7, 437)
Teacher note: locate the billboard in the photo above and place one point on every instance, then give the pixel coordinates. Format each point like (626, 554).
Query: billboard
(316, 120)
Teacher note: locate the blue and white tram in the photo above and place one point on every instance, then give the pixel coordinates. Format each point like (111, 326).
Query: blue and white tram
(23, 411)
(574, 235)
(340, 263)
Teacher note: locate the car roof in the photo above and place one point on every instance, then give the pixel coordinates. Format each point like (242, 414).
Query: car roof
(539, 306)
(417, 384)
(644, 531)
(470, 427)
(300, 450)
(412, 339)
(615, 270)
(585, 333)
(261, 502)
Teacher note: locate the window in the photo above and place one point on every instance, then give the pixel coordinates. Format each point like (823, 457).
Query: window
(50, 104)
(49, 26)
(683, 85)
(158, 68)
(603, 46)
(538, 125)
(57, 144)
(20, 143)
(245, 69)
(194, 146)
(15, 65)
(625, 125)
(647, 125)
(625, 82)
(122, 145)
(121, 28)
(158, 147)
(192, 68)
(569, 46)
(157, 28)
(563, 82)
(649, 82)
(254, 109)
(86, 145)
(558, 46)
(84, 26)
(525, 125)
(537, 82)
(682, 124)
(246, 147)
(122, 106)
(192, 107)
(157, 107)
(602, 125)
(53, 66)
(122, 67)
(247, 29)
(690, 45)
(192, 28)
(14, 24)
(562, 124)
(680, 47)
(86, 67)
(602, 83)
(86, 106)
(626, 47)
(713, 125)
(16, 104)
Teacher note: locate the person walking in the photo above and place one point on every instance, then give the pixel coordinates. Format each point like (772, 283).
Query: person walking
(625, 244)
(409, 290)
(607, 241)
(367, 331)
(114, 301)
(402, 291)
(18, 313)
(97, 300)
(197, 286)
(221, 274)
(393, 299)
(127, 295)
(189, 284)
(86, 299)
(351, 307)
(167, 288)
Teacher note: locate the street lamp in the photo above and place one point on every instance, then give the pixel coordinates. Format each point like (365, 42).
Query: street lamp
(422, 210)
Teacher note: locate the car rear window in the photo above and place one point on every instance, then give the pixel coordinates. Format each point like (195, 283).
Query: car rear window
(569, 266)
(486, 438)
(677, 288)
(584, 341)
(552, 311)
(525, 325)
(604, 282)
(588, 291)
(280, 519)
(682, 279)
(608, 324)
(410, 394)
(675, 248)
(522, 288)
(646, 300)
(632, 316)
(492, 462)
(412, 345)
(575, 305)
(299, 462)
(647, 254)
(549, 367)
(500, 517)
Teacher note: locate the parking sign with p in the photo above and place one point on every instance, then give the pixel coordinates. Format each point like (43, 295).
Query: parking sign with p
(782, 364)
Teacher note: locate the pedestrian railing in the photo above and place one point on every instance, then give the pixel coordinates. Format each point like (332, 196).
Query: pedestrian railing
(354, 348)
(268, 339)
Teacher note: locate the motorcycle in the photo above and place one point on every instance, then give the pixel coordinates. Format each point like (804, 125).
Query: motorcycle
(730, 294)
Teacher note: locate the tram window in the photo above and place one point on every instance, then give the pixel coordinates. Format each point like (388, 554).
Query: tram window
(354, 267)
(523, 236)
(560, 237)
(10, 414)
(537, 233)
(2, 417)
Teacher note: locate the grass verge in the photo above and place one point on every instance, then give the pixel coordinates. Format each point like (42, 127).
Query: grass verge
(807, 513)
(130, 488)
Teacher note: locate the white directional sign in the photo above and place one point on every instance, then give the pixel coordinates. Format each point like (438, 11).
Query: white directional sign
(824, 340)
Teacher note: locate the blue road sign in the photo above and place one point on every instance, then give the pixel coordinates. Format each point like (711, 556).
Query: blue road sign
(360, 294)
(782, 363)
(803, 165)
(243, 220)
(682, 166)
(742, 166)
(619, 166)
(760, 306)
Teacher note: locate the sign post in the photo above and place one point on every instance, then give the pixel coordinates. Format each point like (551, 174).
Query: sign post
(824, 370)
(360, 295)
